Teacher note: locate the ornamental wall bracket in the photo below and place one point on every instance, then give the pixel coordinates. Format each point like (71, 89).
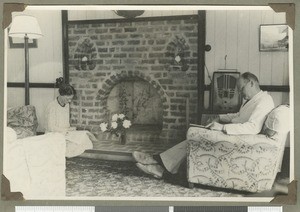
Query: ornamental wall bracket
(178, 51)
(85, 54)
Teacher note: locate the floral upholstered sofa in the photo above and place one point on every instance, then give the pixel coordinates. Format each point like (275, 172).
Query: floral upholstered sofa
(244, 162)
(33, 164)
(23, 120)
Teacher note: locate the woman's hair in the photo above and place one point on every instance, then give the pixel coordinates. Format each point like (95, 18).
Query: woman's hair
(66, 90)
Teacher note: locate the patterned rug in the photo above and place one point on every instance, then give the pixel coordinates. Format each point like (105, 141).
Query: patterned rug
(100, 178)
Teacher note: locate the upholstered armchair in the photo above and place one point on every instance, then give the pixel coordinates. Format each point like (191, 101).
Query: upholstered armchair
(244, 162)
(34, 164)
(23, 120)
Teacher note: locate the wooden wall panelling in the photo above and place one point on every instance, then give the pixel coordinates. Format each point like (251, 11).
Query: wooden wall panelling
(93, 13)
(46, 60)
(150, 13)
(220, 38)
(157, 13)
(206, 98)
(279, 59)
(47, 95)
(15, 65)
(231, 39)
(280, 97)
(279, 62)
(242, 44)
(286, 98)
(15, 97)
(286, 75)
(76, 15)
(266, 57)
(254, 57)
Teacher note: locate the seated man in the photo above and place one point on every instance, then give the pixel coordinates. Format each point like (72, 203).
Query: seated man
(249, 120)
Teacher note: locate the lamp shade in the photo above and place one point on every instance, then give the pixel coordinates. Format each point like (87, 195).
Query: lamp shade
(25, 25)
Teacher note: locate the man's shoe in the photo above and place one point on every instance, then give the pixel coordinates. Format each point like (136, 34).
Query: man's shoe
(143, 158)
(154, 170)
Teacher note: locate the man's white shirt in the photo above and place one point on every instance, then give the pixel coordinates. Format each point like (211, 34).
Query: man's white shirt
(251, 117)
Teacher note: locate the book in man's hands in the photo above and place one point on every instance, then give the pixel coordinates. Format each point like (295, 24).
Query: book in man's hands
(201, 126)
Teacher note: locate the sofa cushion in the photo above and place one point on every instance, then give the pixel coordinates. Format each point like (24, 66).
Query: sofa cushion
(23, 120)
(277, 121)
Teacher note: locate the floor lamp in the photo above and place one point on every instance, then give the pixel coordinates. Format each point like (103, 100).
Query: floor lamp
(27, 27)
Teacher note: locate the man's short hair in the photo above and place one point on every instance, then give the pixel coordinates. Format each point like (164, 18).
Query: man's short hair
(250, 77)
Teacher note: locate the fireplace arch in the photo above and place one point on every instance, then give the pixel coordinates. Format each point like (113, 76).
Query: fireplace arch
(138, 100)
(112, 81)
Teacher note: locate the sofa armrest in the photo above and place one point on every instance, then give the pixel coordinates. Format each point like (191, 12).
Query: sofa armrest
(36, 165)
(245, 162)
(45, 156)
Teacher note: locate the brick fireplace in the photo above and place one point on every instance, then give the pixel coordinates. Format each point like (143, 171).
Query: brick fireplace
(154, 58)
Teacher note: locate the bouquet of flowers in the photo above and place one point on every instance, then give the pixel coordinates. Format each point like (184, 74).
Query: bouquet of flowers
(118, 125)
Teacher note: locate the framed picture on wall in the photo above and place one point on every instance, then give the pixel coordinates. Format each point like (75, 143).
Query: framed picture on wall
(273, 38)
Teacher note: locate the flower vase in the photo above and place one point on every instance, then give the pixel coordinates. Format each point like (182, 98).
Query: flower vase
(122, 138)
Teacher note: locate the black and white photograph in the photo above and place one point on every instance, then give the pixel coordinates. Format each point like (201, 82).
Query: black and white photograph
(159, 103)
(274, 37)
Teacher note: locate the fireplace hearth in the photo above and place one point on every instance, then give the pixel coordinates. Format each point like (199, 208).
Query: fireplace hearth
(141, 103)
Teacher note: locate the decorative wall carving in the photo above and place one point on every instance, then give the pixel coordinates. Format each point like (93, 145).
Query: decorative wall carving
(178, 51)
(85, 54)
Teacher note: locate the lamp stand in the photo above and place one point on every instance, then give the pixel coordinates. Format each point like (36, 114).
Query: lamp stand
(27, 102)
(25, 26)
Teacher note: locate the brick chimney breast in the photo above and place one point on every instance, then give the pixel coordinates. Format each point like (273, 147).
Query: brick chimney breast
(140, 54)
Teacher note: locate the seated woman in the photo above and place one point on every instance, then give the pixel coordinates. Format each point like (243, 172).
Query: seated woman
(57, 120)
